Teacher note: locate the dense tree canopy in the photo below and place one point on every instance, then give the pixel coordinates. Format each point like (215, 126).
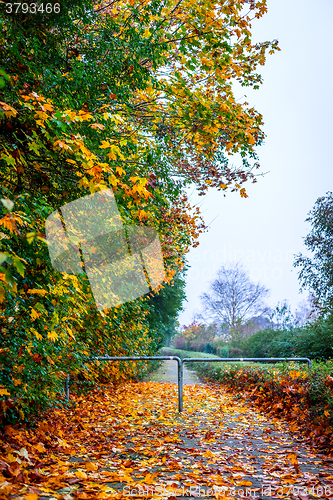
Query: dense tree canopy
(134, 96)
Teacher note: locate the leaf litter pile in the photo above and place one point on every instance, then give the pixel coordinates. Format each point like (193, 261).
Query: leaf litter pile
(132, 442)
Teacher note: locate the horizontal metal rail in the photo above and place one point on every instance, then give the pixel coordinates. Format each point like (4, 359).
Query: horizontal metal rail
(274, 360)
(144, 358)
(180, 366)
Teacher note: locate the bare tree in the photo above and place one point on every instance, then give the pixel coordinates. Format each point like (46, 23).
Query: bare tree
(233, 298)
(307, 310)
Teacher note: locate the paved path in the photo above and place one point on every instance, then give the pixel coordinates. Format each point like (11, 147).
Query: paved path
(130, 443)
(167, 372)
(271, 460)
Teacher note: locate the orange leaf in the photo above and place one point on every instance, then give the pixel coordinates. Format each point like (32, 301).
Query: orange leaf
(31, 496)
(80, 474)
(244, 483)
(90, 466)
(40, 447)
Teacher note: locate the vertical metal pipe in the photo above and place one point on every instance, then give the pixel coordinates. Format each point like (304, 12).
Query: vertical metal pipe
(67, 386)
(180, 385)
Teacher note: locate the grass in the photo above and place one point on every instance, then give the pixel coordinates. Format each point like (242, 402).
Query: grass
(170, 351)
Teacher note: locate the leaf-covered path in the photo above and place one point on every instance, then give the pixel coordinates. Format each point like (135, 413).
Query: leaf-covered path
(133, 442)
(167, 372)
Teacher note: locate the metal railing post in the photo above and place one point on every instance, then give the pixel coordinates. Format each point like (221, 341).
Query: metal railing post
(67, 387)
(180, 384)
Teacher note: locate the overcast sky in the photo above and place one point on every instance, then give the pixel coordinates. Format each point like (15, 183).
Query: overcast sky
(265, 230)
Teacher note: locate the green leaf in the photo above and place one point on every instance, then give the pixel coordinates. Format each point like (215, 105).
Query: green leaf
(3, 257)
(9, 277)
(19, 266)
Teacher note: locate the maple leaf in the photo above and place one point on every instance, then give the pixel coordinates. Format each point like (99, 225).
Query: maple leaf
(120, 171)
(9, 110)
(105, 144)
(34, 314)
(52, 336)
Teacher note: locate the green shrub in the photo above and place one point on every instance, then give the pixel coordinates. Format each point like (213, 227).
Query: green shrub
(314, 340)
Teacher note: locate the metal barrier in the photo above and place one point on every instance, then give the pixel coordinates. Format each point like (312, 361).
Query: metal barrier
(141, 358)
(248, 359)
(180, 366)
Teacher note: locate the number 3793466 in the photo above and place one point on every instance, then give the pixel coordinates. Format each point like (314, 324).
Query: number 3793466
(32, 8)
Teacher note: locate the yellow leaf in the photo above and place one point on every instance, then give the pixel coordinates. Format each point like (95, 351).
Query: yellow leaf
(8, 222)
(17, 381)
(80, 474)
(9, 110)
(146, 34)
(326, 413)
(37, 334)
(120, 170)
(142, 215)
(39, 291)
(2, 294)
(4, 392)
(70, 114)
(10, 458)
(105, 144)
(40, 115)
(85, 116)
(52, 336)
(34, 314)
(112, 155)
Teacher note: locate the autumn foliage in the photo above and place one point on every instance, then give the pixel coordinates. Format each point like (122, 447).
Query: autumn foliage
(132, 440)
(133, 96)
